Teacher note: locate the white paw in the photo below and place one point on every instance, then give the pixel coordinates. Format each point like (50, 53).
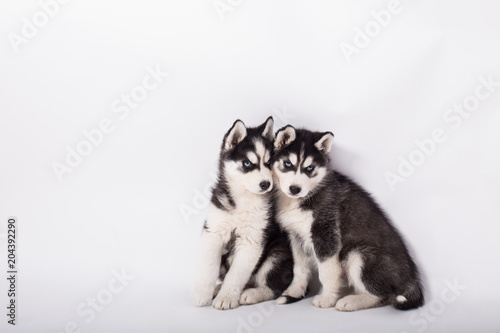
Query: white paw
(281, 300)
(286, 299)
(201, 297)
(225, 302)
(325, 301)
(256, 295)
(249, 296)
(347, 303)
(297, 291)
(358, 302)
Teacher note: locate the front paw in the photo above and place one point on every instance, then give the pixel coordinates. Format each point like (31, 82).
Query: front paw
(201, 297)
(226, 302)
(325, 301)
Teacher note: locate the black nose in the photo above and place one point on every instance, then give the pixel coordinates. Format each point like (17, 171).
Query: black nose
(264, 185)
(294, 189)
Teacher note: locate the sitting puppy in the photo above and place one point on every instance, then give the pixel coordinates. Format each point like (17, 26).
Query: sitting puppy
(336, 225)
(241, 242)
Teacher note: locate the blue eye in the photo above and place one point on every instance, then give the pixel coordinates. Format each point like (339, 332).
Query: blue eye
(310, 168)
(247, 164)
(287, 164)
(268, 163)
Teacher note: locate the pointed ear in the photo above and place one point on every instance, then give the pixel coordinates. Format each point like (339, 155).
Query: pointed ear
(268, 129)
(324, 144)
(235, 135)
(284, 137)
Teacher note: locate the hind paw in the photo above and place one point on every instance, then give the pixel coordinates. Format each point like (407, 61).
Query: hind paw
(325, 301)
(287, 300)
(347, 304)
(281, 300)
(256, 295)
(357, 302)
(250, 296)
(292, 294)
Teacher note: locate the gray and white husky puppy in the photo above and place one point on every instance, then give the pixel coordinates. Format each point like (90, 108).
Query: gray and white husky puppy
(336, 226)
(241, 242)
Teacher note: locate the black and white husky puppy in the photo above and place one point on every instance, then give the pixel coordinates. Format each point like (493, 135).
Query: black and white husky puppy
(241, 242)
(335, 225)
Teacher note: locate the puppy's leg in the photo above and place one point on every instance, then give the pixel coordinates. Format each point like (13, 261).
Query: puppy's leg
(363, 299)
(301, 276)
(208, 269)
(261, 292)
(330, 273)
(244, 262)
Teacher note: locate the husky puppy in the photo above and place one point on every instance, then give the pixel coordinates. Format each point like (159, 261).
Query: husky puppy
(241, 242)
(335, 225)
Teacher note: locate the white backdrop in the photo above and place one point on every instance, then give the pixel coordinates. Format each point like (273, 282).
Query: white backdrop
(111, 118)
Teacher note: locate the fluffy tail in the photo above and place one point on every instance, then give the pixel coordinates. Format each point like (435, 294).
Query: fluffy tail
(412, 298)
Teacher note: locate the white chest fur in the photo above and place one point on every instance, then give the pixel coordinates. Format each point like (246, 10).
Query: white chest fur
(295, 220)
(248, 219)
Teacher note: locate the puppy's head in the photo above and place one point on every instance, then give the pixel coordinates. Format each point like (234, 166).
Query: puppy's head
(300, 160)
(246, 155)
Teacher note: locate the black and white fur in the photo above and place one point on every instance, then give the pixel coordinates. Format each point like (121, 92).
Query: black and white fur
(336, 226)
(241, 242)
